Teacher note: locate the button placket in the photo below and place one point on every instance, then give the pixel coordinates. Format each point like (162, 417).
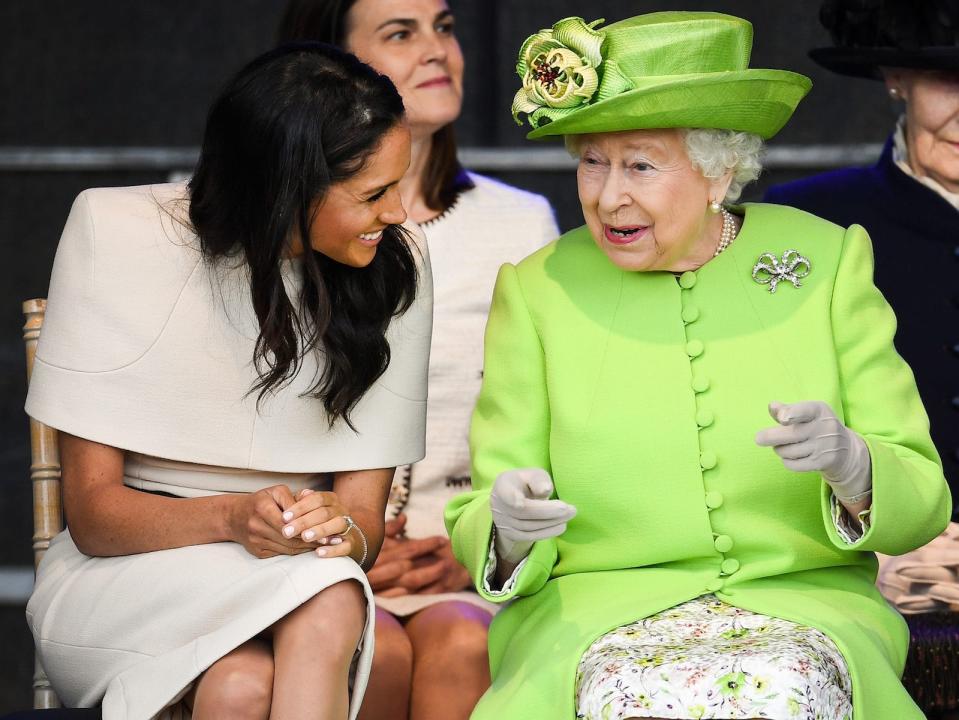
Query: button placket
(695, 349)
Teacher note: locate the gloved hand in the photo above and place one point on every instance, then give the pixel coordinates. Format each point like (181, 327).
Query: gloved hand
(522, 512)
(811, 437)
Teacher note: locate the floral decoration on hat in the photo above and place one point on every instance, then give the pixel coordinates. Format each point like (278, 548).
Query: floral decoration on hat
(562, 69)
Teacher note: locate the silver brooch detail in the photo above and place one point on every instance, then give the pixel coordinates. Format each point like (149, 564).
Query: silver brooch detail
(770, 270)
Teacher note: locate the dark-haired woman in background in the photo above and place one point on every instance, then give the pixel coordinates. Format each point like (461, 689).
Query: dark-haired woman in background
(431, 629)
(235, 368)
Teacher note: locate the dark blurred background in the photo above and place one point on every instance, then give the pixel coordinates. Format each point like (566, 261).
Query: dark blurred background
(114, 92)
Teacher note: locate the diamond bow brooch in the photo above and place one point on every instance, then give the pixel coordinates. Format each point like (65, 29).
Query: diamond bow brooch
(770, 270)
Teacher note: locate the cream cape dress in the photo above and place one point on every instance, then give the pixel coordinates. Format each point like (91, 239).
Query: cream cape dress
(148, 348)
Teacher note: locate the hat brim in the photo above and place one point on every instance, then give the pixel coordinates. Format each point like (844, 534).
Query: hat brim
(865, 62)
(756, 101)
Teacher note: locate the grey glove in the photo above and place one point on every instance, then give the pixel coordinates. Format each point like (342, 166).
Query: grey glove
(522, 512)
(811, 437)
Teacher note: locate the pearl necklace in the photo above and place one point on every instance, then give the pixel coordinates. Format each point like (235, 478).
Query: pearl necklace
(728, 233)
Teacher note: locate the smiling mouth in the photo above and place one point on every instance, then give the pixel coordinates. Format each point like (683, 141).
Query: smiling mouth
(624, 234)
(372, 238)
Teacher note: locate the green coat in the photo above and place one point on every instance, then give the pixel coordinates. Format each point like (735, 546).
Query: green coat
(641, 394)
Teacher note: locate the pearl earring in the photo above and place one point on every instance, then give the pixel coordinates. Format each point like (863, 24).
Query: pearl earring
(715, 207)
(895, 94)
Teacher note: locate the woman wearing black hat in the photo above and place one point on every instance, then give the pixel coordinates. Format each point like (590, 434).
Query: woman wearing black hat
(908, 201)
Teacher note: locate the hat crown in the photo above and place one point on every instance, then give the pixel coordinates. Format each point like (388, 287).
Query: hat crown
(679, 43)
(903, 24)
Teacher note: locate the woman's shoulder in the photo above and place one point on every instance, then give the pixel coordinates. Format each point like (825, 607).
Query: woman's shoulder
(490, 193)
(110, 208)
(123, 260)
(114, 224)
(790, 224)
(791, 235)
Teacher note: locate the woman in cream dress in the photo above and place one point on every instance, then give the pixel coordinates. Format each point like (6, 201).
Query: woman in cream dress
(255, 345)
(431, 628)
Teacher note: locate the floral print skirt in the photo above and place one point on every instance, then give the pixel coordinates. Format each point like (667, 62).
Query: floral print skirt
(707, 659)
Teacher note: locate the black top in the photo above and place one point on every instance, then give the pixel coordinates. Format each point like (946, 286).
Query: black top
(915, 235)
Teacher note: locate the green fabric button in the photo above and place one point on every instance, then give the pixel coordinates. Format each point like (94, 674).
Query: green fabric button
(700, 383)
(729, 566)
(707, 459)
(704, 418)
(687, 280)
(694, 348)
(714, 585)
(723, 544)
(690, 314)
(714, 499)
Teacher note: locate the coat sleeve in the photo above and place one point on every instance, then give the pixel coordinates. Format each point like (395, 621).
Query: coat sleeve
(510, 429)
(910, 500)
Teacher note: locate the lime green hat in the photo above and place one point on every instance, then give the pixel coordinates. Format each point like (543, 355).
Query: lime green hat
(661, 70)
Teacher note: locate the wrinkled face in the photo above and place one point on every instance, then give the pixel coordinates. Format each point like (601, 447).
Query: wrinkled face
(644, 202)
(932, 122)
(412, 43)
(348, 223)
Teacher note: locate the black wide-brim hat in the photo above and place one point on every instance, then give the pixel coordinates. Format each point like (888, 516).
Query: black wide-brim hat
(872, 34)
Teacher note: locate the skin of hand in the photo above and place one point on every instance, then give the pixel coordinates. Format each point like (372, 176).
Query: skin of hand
(317, 518)
(398, 557)
(811, 438)
(422, 565)
(256, 523)
(443, 573)
(523, 514)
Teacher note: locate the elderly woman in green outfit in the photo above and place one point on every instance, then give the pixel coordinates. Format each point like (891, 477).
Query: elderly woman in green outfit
(669, 550)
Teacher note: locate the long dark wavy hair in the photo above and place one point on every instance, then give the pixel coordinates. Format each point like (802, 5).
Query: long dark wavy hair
(289, 125)
(325, 20)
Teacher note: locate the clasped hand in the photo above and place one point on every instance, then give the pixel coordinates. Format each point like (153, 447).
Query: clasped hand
(523, 512)
(273, 521)
(408, 566)
(811, 438)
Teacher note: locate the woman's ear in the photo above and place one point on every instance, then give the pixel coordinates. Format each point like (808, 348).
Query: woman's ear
(896, 84)
(718, 187)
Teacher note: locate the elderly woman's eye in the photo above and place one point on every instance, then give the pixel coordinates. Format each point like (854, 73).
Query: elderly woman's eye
(642, 166)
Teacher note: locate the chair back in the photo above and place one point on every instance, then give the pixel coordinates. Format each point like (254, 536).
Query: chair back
(45, 477)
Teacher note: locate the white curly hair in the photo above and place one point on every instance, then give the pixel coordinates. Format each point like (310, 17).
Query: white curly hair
(716, 152)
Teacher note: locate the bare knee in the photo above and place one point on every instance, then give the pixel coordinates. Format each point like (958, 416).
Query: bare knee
(393, 653)
(238, 685)
(335, 617)
(453, 634)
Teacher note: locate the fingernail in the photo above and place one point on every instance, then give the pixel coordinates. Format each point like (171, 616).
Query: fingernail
(322, 540)
(287, 516)
(289, 530)
(336, 540)
(309, 535)
(321, 551)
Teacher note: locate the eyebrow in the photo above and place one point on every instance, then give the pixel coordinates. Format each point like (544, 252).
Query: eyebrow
(645, 145)
(411, 23)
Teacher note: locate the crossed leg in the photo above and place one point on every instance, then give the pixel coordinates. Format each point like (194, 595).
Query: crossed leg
(302, 675)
